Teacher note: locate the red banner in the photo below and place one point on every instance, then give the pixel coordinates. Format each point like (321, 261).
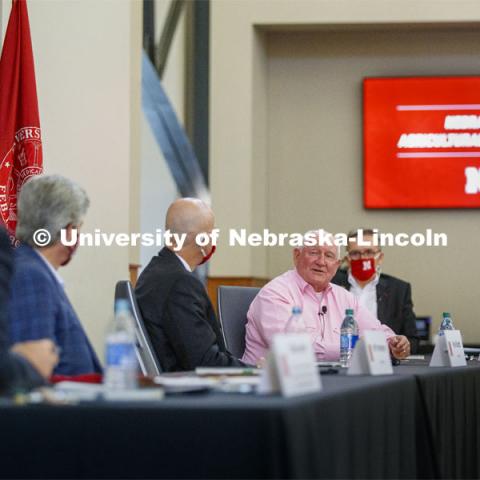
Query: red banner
(422, 142)
(20, 136)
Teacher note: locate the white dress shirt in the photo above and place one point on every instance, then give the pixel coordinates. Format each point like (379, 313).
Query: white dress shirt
(50, 267)
(184, 263)
(367, 296)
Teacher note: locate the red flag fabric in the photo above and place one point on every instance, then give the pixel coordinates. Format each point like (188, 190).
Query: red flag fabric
(20, 135)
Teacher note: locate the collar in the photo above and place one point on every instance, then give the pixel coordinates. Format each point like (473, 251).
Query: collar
(58, 278)
(184, 263)
(303, 285)
(372, 284)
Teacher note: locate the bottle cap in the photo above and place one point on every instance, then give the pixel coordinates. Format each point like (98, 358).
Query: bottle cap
(121, 305)
(349, 311)
(446, 314)
(296, 310)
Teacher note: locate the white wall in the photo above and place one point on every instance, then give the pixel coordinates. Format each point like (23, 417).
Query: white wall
(158, 190)
(88, 79)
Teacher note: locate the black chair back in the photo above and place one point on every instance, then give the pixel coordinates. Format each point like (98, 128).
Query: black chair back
(147, 359)
(233, 303)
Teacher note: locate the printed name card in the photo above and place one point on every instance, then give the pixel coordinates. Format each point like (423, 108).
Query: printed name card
(371, 355)
(290, 367)
(448, 350)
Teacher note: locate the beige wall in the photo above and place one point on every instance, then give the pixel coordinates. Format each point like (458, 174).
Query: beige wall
(87, 57)
(315, 154)
(286, 127)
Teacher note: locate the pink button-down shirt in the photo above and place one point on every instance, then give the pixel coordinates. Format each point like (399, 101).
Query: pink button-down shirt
(269, 312)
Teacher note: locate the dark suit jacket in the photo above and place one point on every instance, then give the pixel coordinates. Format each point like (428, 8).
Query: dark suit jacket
(179, 317)
(394, 304)
(16, 374)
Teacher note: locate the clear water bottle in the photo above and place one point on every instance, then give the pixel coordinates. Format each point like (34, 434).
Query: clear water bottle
(120, 358)
(446, 324)
(295, 323)
(348, 337)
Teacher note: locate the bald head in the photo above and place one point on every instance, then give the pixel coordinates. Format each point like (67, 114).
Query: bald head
(189, 216)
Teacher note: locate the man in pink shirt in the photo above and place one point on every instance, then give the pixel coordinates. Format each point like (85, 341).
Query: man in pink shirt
(323, 306)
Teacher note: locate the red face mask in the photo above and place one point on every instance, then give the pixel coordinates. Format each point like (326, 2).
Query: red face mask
(206, 258)
(363, 268)
(71, 250)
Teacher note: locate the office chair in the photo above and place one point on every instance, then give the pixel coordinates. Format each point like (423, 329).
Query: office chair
(233, 303)
(146, 356)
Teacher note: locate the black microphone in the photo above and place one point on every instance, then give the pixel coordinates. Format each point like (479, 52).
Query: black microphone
(322, 314)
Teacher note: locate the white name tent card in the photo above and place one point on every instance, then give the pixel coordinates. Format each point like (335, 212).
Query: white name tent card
(448, 350)
(371, 355)
(290, 367)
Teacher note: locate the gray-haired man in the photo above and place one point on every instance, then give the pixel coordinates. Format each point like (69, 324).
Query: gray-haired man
(39, 307)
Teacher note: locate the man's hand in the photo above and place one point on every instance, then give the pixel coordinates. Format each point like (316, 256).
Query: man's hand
(40, 353)
(399, 346)
(261, 362)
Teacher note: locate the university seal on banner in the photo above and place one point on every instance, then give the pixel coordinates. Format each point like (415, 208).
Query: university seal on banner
(20, 163)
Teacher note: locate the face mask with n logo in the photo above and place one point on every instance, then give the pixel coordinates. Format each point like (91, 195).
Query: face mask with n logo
(363, 268)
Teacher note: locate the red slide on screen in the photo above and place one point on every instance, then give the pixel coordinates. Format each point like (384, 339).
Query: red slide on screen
(422, 142)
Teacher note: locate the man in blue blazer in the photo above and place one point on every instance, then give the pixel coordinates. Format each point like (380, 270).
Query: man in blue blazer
(26, 365)
(39, 307)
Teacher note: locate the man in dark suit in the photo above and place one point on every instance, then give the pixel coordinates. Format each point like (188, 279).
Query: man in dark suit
(27, 364)
(178, 315)
(387, 297)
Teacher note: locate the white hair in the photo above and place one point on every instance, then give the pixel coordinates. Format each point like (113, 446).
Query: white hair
(322, 238)
(51, 202)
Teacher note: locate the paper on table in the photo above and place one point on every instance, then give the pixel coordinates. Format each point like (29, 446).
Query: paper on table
(243, 380)
(185, 381)
(214, 371)
(78, 391)
(139, 395)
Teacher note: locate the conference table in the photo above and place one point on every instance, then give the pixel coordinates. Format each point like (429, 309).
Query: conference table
(450, 400)
(420, 422)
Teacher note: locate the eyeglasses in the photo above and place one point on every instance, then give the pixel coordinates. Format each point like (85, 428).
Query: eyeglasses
(357, 254)
(328, 256)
